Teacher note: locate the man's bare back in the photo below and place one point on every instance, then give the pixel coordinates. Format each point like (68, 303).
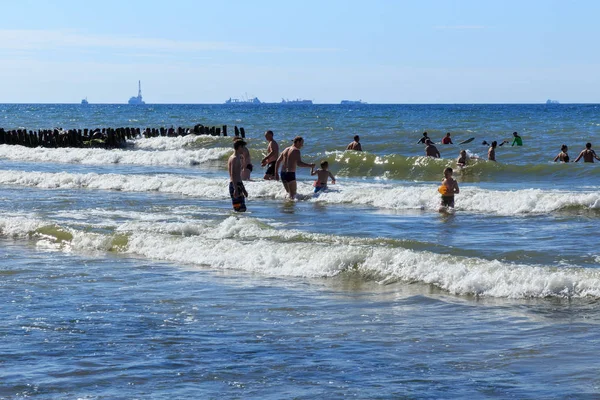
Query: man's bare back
(587, 154)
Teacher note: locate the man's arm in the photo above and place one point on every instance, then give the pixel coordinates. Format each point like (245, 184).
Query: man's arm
(579, 156)
(358, 147)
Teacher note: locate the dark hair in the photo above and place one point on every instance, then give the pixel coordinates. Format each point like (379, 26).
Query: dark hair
(356, 138)
(448, 169)
(588, 145)
(269, 132)
(515, 133)
(448, 134)
(494, 143)
(563, 147)
(324, 164)
(298, 139)
(424, 133)
(238, 143)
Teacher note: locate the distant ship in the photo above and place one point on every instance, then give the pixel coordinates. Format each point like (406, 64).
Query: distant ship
(138, 99)
(254, 100)
(552, 101)
(353, 102)
(84, 102)
(297, 101)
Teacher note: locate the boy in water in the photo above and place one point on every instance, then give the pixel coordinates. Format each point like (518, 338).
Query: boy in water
(323, 176)
(448, 189)
(237, 191)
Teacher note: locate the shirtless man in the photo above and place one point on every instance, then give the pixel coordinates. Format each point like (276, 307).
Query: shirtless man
(355, 145)
(289, 159)
(236, 186)
(588, 154)
(431, 150)
(271, 157)
(492, 151)
(424, 139)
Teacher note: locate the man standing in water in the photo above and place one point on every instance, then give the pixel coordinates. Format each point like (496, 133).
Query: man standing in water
(588, 154)
(271, 157)
(355, 145)
(289, 159)
(237, 191)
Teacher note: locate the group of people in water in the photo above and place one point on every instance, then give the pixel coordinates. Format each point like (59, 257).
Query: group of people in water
(282, 165)
(587, 154)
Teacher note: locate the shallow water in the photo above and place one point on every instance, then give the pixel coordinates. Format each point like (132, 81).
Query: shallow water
(127, 275)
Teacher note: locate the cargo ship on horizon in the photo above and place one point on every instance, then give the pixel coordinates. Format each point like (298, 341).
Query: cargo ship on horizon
(295, 102)
(254, 100)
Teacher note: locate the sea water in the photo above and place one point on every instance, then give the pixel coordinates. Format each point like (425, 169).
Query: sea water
(126, 274)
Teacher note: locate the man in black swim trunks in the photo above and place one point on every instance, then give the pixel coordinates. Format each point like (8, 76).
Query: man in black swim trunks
(271, 157)
(289, 159)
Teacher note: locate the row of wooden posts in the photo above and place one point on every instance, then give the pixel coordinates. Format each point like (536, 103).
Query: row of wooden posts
(103, 137)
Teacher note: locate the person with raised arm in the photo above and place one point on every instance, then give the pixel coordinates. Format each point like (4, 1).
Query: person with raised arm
(587, 154)
(289, 160)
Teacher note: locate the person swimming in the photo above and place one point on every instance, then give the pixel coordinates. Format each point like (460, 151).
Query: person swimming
(462, 159)
(562, 156)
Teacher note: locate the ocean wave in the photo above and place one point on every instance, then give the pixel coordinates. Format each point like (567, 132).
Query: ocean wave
(176, 156)
(198, 150)
(379, 195)
(244, 243)
(387, 196)
(421, 168)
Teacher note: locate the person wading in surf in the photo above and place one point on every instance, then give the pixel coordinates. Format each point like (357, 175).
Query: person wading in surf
(289, 159)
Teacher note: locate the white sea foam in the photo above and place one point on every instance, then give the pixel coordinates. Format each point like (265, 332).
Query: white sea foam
(397, 197)
(246, 244)
(169, 143)
(176, 156)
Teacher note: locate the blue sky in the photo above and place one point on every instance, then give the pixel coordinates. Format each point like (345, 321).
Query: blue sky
(427, 51)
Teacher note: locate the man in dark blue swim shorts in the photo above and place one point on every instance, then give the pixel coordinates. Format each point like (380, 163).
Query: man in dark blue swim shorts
(289, 160)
